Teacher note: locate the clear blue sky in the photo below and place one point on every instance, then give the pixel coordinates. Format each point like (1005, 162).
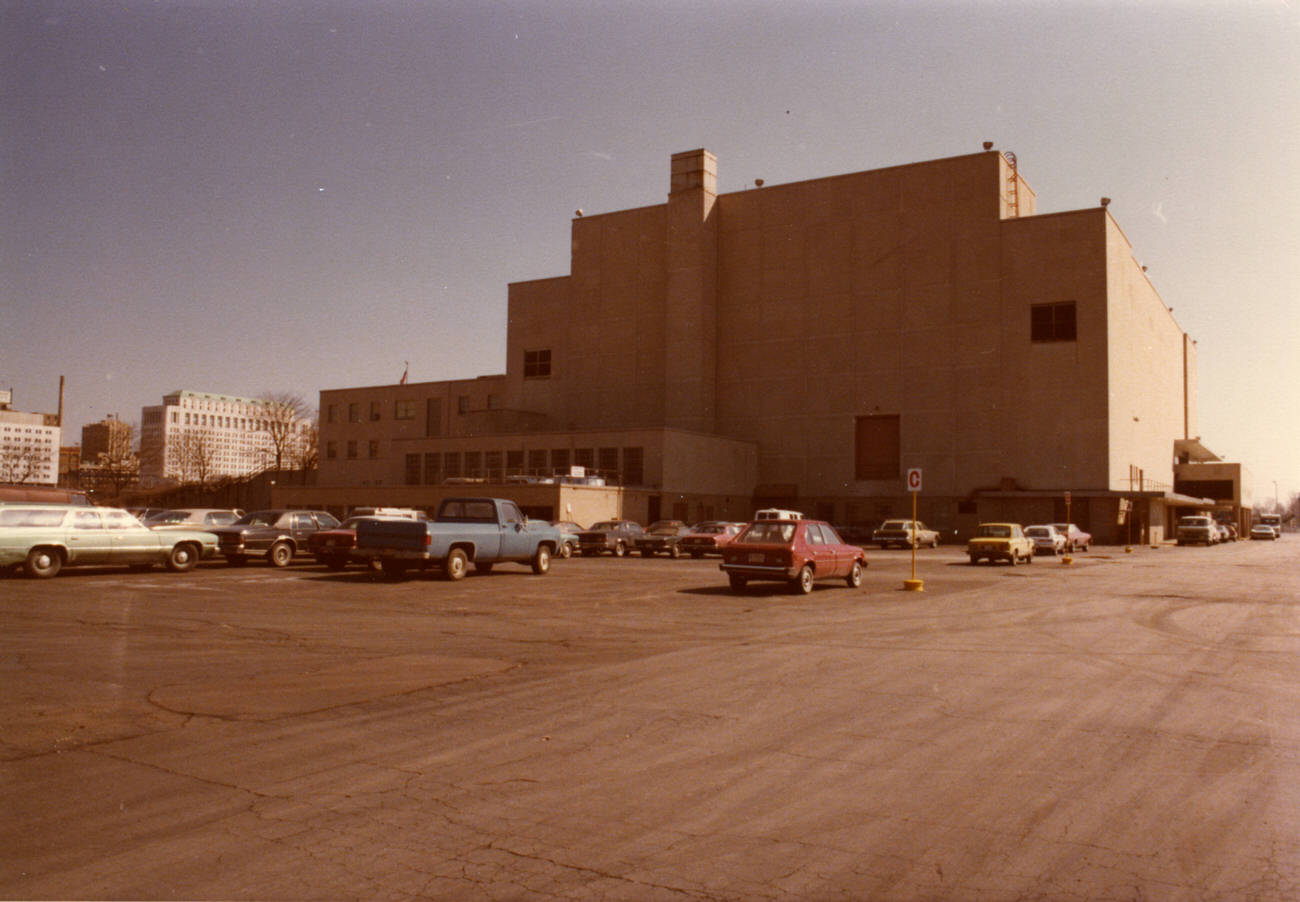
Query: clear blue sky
(248, 197)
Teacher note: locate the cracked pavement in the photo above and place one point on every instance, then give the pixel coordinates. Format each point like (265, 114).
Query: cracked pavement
(1123, 729)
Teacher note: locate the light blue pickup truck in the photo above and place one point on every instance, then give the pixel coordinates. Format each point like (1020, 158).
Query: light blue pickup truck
(482, 531)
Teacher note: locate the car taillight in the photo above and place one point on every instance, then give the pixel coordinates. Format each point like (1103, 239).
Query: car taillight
(428, 539)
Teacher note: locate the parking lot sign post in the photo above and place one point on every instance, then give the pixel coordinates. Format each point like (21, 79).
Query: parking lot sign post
(914, 486)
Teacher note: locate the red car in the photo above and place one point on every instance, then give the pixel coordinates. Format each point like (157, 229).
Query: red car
(710, 537)
(333, 547)
(796, 552)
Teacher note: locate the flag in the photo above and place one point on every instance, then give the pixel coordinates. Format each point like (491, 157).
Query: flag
(406, 370)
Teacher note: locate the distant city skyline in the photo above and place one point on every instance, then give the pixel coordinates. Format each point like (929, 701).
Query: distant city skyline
(249, 198)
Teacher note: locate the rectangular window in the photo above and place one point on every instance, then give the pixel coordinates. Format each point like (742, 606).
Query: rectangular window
(462, 404)
(412, 469)
(537, 364)
(432, 467)
(374, 410)
(878, 452)
(1052, 322)
(354, 413)
(451, 464)
(585, 457)
(607, 460)
(373, 448)
(514, 462)
(560, 460)
(433, 417)
(473, 463)
(352, 449)
(492, 464)
(403, 410)
(537, 462)
(633, 466)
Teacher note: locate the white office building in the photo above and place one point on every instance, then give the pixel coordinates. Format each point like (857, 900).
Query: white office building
(198, 436)
(29, 445)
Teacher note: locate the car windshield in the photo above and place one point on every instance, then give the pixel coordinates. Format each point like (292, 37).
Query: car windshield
(1193, 521)
(1037, 531)
(605, 526)
(710, 529)
(664, 530)
(994, 531)
(769, 532)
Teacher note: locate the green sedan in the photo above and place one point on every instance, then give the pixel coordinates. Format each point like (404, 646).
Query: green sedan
(45, 538)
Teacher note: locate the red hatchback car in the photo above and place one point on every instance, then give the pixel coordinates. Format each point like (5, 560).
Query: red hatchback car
(797, 552)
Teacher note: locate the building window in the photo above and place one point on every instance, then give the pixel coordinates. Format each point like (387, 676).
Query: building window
(608, 460)
(585, 457)
(373, 448)
(403, 410)
(492, 463)
(462, 404)
(412, 469)
(537, 364)
(537, 462)
(1052, 322)
(374, 410)
(878, 454)
(354, 413)
(432, 467)
(474, 464)
(514, 462)
(433, 417)
(352, 450)
(633, 466)
(451, 464)
(560, 460)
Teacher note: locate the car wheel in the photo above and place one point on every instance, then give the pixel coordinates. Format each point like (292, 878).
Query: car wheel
(737, 581)
(456, 565)
(280, 555)
(934, 543)
(674, 552)
(1029, 558)
(1087, 545)
(184, 556)
(619, 549)
(42, 563)
(854, 579)
(566, 550)
(1014, 558)
(542, 560)
(803, 583)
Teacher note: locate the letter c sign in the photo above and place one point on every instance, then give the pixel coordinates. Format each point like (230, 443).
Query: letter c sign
(914, 479)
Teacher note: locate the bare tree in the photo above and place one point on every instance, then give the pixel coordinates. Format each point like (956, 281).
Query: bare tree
(119, 465)
(196, 456)
(304, 453)
(19, 463)
(279, 418)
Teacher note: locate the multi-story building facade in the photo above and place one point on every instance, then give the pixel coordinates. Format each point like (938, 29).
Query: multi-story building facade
(803, 346)
(110, 436)
(29, 445)
(196, 436)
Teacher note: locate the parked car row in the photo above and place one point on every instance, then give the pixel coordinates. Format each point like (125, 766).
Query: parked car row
(1017, 544)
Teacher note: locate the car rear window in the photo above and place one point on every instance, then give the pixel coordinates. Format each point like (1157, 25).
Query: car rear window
(769, 532)
(995, 532)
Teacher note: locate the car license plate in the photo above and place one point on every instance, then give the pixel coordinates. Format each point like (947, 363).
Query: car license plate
(756, 558)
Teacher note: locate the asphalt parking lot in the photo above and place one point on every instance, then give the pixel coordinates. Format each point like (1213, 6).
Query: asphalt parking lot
(1123, 729)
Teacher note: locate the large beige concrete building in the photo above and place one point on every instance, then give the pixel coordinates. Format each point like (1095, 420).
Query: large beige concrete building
(804, 345)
